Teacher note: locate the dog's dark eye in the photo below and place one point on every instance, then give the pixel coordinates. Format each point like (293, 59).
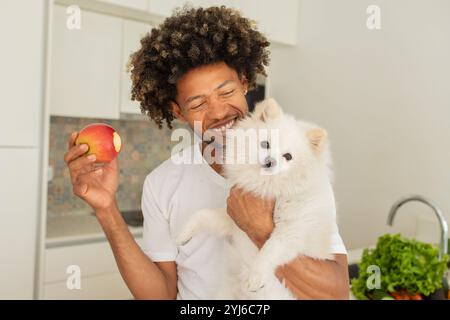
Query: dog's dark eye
(265, 144)
(287, 156)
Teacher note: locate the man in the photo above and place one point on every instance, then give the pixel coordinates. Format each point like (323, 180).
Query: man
(196, 66)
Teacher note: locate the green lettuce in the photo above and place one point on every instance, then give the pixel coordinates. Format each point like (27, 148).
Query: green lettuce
(405, 264)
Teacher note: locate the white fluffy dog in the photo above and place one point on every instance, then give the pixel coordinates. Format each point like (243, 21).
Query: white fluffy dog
(293, 166)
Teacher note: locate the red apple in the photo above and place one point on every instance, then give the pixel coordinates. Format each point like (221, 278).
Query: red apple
(102, 139)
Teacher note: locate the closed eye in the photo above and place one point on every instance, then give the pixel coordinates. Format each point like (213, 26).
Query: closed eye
(227, 93)
(197, 106)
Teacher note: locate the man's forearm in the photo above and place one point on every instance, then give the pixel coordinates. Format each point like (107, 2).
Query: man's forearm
(309, 278)
(142, 276)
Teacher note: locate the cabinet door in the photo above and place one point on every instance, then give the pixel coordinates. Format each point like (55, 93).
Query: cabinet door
(19, 211)
(277, 20)
(100, 277)
(132, 33)
(165, 7)
(106, 286)
(85, 70)
(21, 76)
(133, 4)
(218, 3)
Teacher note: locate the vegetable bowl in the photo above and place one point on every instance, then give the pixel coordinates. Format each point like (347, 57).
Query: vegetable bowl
(401, 269)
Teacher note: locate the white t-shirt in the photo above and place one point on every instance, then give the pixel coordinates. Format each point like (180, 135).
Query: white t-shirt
(172, 193)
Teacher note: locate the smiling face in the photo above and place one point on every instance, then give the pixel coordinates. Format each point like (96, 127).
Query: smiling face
(213, 95)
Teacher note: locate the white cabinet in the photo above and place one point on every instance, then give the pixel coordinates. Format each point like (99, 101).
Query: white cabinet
(107, 286)
(164, 7)
(19, 214)
(100, 277)
(21, 34)
(276, 19)
(133, 4)
(132, 33)
(86, 66)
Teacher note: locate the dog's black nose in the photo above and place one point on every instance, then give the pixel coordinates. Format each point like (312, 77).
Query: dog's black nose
(270, 162)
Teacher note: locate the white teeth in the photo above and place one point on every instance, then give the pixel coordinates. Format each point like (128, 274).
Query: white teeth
(229, 124)
(225, 127)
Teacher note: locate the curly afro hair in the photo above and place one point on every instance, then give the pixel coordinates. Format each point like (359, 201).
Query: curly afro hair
(190, 38)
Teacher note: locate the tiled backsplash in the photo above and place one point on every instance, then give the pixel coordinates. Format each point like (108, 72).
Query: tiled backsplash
(144, 147)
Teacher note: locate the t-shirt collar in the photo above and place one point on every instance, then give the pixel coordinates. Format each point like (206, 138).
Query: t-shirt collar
(216, 177)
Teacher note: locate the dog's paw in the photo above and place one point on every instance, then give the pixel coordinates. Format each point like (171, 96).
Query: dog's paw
(254, 283)
(184, 237)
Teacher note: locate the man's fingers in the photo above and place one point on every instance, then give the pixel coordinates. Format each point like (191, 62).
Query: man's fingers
(74, 152)
(80, 189)
(72, 139)
(85, 181)
(84, 162)
(236, 191)
(113, 164)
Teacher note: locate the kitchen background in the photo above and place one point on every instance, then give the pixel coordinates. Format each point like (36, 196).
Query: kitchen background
(144, 148)
(382, 95)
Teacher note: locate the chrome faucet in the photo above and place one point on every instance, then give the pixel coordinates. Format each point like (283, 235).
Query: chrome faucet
(437, 211)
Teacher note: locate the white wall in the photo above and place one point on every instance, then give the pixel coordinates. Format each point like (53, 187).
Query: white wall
(22, 32)
(383, 96)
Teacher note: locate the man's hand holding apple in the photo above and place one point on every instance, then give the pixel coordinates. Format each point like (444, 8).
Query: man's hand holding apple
(94, 183)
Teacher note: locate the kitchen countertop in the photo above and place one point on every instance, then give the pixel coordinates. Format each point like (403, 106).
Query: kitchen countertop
(77, 229)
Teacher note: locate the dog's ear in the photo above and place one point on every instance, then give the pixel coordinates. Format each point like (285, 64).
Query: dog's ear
(268, 109)
(317, 138)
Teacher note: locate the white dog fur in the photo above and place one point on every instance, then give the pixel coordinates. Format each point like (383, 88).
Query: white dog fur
(304, 216)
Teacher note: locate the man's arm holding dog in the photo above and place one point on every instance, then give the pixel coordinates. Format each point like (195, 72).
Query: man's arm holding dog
(306, 277)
